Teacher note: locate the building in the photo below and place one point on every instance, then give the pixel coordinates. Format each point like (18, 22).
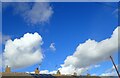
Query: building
(58, 73)
(9, 74)
(7, 69)
(75, 74)
(37, 71)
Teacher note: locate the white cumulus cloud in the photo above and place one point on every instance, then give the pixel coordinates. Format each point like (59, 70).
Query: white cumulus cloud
(89, 53)
(32, 13)
(44, 72)
(110, 72)
(40, 13)
(23, 52)
(48, 72)
(52, 47)
(97, 66)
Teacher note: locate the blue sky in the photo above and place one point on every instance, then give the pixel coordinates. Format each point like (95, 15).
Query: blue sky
(70, 24)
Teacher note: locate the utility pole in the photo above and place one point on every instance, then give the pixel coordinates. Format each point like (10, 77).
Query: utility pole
(115, 66)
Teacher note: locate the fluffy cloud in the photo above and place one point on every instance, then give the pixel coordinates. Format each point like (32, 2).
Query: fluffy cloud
(110, 72)
(3, 39)
(89, 53)
(48, 72)
(40, 13)
(70, 70)
(52, 47)
(23, 52)
(111, 69)
(32, 13)
(44, 72)
(97, 66)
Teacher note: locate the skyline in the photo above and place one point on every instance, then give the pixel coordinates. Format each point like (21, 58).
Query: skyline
(60, 28)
